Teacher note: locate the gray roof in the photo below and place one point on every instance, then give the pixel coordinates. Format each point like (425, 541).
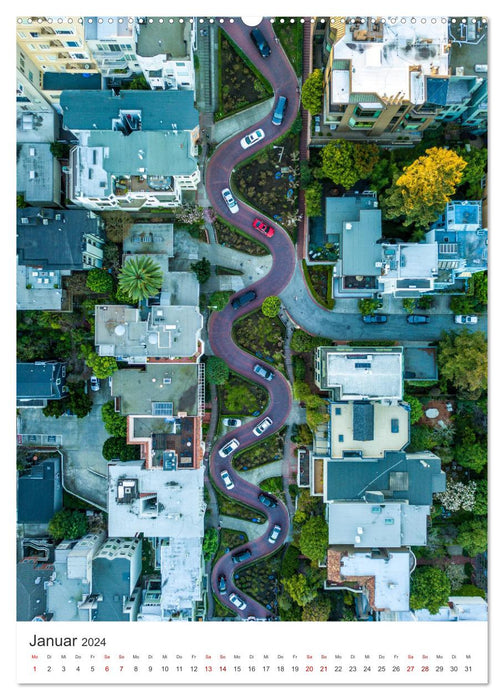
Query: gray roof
(164, 38)
(35, 173)
(360, 249)
(341, 209)
(39, 492)
(71, 81)
(398, 476)
(111, 579)
(57, 244)
(38, 380)
(95, 109)
(31, 594)
(363, 421)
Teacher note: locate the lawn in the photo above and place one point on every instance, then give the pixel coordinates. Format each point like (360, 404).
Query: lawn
(270, 182)
(320, 282)
(260, 580)
(290, 34)
(263, 337)
(241, 397)
(229, 539)
(233, 238)
(240, 83)
(263, 452)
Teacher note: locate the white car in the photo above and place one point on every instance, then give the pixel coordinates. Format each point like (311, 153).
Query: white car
(95, 383)
(230, 201)
(236, 600)
(274, 534)
(466, 319)
(259, 429)
(227, 479)
(252, 138)
(228, 448)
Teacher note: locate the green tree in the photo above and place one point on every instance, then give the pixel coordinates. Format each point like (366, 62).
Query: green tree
(471, 455)
(368, 306)
(429, 588)
(416, 409)
(312, 92)
(217, 371)
(139, 82)
(462, 360)
(140, 278)
(102, 366)
(313, 199)
(55, 409)
(118, 448)
(475, 171)
(302, 341)
(300, 589)
(219, 300)
(303, 435)
(290, 562)
(115, 424)
(481, 498)
(472, 536)
(480, 280)
(202, 270)
(305, 174)
(68, 525)
(210, 543)
(345, 163)
(425, 302)
(99, 280)
(468, 589)
(408, 305)
(462, 304)
(420, 194)
(271, 306)
(314, 538)
(117, 224)
(79, 402)
(317, 610)
(60, 150)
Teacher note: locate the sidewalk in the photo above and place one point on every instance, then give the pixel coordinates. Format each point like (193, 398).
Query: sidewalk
(245, 119)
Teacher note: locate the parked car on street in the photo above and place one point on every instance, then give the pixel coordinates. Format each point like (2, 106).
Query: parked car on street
(374, 318)
(263, 228)
(279, 113)
(274, 534)
(260, 41)
(95, 383)
(243, 299)
(317, 123)
(230, 201)
(252, 138)
(236, 600)
(263, 372)
(232, 422)
(221, 584)
(418, 318)
(261, 427)
(267, 501)
(241, 556)
(228, 483)
(228, 448)
(466, 320)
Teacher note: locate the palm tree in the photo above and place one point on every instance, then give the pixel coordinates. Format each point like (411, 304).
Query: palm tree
(140, 278)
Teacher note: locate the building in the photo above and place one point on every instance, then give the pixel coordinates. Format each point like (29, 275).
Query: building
(381, 577)
(462, 243)
(137, 149)
(459, 609)
(355, 374)
(35, 117)
(52, 53)
(111, 43)
(38, 175)
(38, 382)
(58, 240)
(39, 494)
(164, 51)
(32, 579)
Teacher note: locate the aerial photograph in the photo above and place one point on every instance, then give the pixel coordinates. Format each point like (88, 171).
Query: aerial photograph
(251, 318)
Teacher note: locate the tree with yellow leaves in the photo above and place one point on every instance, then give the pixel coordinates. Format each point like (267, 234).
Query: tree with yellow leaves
(420, 194)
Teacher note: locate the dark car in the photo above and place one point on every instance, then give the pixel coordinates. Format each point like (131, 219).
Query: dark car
(374, 318)
(279, 113)
(222, 584)
(260, 41)
(241, 556)
(243, 299)
(418, 318)
(267, 500)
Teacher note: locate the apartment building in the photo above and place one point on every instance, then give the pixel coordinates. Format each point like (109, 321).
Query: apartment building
(111, 42)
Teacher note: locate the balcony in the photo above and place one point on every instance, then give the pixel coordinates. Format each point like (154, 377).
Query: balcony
(139, 183)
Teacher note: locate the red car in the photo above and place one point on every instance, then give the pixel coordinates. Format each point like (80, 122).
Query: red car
(263, 227)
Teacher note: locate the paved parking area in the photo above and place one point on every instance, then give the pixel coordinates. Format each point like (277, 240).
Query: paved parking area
(84, 469)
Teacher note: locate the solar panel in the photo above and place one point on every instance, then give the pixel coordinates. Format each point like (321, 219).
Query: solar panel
(162, 408)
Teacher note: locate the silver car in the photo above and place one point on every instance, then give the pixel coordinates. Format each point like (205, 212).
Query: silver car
(236, 600)
(259, 429)
(230, 201)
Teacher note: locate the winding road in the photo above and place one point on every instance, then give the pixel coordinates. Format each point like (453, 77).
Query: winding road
(279, 72)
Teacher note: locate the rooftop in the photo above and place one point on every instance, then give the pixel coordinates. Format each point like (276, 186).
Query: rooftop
(112, 580)
(108, 27)
(71, 81)
(140, 390)
(368, 428)
(181, 571)
(150, 238)
(39, 492)
(377, 525)
(160, 110)
(164, 38)
(31, 597)
(412, 477)
(40, 380)
(161, 503)
(36, 172)
(469, 46)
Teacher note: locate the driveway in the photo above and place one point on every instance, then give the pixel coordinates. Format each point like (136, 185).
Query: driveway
(84, 469)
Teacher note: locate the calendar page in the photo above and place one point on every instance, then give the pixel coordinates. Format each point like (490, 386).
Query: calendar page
(251, 357)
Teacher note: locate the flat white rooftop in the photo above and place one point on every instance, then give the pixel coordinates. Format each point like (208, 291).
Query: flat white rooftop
(365, 374)
(180, 573)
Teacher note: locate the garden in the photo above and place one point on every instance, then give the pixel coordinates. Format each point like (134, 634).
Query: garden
(260, 581)
(237, 510)
(263, 452)
(240, 397)
(320, 282)
(269, 181)
(289, 31)
(233, 238)
(240, 83)
(263, 337)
